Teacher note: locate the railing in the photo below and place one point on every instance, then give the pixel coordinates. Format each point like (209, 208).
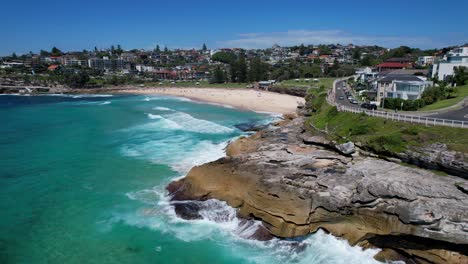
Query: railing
(394, 116)
(427, 121)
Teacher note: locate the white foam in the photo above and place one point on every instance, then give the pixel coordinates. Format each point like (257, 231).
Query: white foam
(192, 124)
(151, 116)
(163, 98)
(160, 108)
(220, 225)
(90, 103)
(180, 152)
(91, 95)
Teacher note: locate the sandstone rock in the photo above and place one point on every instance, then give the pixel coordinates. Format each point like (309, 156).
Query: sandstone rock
(438, 157)
(295, 189)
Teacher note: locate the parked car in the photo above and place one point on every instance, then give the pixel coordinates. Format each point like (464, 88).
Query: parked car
(353, 101)
(341, 98)
(369, 106)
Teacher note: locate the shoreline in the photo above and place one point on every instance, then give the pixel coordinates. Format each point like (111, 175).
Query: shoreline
(245, 99)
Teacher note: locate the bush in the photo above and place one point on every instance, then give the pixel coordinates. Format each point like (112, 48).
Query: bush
(385, 143)
(360, 129)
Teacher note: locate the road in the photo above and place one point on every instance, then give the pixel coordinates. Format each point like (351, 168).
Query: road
(342, 85)
(460, 114)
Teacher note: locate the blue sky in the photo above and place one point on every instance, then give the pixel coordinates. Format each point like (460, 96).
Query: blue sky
(31, 25)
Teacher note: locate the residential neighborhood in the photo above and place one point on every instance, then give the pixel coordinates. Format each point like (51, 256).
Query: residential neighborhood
(380, 74)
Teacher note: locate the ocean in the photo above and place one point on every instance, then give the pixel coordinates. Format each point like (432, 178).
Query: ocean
(82, 180)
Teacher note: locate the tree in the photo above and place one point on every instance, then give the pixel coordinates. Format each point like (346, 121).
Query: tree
(157, 49)
(357, 54)
(366, 61)
(302, 49)
(76, 80)
(166, 50)
(14, 56)
(257, 70)
(324, 49)
(44, 53)
(112, 48)
(95, 49)
(56, 52)
(218, 75)
(119, 49)
(204, 47)
(224, 57)
(241, 73)
(460, 76)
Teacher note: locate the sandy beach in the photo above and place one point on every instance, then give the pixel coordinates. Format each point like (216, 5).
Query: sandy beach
(248, 99)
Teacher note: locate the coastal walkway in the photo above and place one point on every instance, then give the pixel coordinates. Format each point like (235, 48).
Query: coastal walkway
(394, 116)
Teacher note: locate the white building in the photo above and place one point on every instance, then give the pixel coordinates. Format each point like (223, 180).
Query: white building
(406, 87)
(455, 58)
(144, 68)
(426, 60)
(365, 74)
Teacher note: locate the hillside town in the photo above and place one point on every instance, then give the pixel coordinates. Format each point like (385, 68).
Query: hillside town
(380, 74)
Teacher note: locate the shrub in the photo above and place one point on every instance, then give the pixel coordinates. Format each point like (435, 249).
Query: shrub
(385, 143)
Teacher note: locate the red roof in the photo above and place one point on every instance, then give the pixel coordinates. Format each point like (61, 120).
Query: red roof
(52, 67)
(392, 65)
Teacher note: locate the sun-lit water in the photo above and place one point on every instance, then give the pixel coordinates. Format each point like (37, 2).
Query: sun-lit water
(82, 181)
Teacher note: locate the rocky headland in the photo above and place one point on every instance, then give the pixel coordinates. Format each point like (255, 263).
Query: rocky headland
(297, 182)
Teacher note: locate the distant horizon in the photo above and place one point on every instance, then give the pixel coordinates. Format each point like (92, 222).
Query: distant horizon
(245, 24)
(208, 48)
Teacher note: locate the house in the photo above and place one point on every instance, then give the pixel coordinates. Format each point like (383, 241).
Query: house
(400, 60)
(391, 66)
(445, 67)
(365, 74)
(406, 87)
(426, 60)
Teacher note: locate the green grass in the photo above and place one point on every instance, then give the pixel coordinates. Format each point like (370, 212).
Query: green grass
(378, 134)
(203, 84)
(326, 82)
(462, 92)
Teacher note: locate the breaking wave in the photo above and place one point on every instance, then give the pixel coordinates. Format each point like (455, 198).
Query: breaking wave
(160, 108)
(185, 122)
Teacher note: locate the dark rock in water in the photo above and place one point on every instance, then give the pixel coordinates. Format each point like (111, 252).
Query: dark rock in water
(262, 234)
(298, 247)
(187, 210)
(250, 127)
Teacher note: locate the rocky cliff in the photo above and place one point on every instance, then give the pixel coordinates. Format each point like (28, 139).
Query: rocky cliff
(297, 183)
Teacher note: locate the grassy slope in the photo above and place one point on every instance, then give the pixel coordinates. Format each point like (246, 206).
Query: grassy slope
(380, 134)
(203, 84)
(462, 92)
(327, 82)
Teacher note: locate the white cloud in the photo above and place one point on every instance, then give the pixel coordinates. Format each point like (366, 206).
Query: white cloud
(296, 37)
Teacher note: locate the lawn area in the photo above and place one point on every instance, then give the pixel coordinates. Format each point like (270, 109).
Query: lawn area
(461, 93)
(203, 84)
(379, 134)
(327, 82)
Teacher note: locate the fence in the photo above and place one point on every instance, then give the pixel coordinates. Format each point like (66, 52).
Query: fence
(427, 121)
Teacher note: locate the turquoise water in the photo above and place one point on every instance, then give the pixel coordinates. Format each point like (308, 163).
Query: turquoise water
(82, 181)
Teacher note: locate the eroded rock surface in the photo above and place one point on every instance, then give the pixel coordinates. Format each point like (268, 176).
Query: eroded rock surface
(295, 188)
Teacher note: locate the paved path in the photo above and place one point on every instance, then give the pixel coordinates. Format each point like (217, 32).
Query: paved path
(460, 114)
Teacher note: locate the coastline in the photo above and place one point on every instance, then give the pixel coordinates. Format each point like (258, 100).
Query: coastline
(240, 98)
(245, 99)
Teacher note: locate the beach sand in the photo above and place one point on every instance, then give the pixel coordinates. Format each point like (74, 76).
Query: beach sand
(248, 99)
